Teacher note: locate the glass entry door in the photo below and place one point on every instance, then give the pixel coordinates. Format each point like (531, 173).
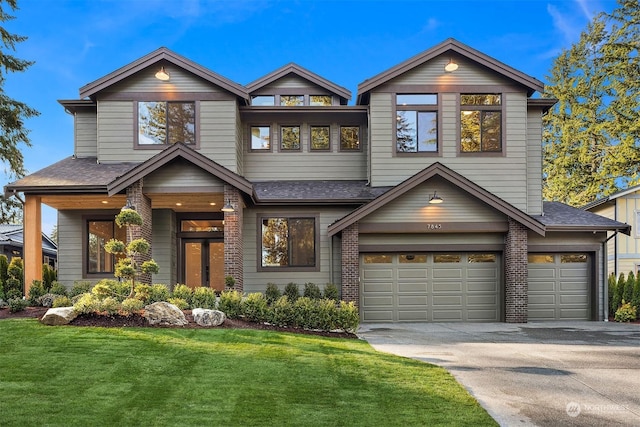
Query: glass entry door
(203, 263)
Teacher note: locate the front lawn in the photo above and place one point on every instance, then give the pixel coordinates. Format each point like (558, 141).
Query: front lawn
(77, 376)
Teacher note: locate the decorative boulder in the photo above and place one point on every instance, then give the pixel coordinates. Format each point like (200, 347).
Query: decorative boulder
(58, 316)
(205, 317)
(164, 314)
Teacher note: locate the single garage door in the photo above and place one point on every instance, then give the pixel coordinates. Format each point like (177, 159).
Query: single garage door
(559, 286)
(431, 287)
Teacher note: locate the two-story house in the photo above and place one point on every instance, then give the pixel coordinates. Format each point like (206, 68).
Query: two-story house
(423, 201)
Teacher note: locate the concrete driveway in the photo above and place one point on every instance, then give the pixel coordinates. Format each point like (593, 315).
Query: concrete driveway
(534, 374)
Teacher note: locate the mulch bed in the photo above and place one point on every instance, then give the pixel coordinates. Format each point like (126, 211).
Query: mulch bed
(139, 321)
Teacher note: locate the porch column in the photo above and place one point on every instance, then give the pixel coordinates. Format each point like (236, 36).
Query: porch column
(350, 265)
(233, 250)
(516, 274)
(32, 250)
(143, 206)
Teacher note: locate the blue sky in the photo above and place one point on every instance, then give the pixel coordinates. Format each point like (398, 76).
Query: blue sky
(76, 42)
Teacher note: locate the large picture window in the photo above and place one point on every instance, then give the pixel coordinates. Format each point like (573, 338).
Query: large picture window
(162, 123)
(416, 123)
(480, 123)
(288, 242)
(99, 232)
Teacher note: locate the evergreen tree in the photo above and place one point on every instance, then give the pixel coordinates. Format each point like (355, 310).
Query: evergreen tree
(619, 292)
(627, 293)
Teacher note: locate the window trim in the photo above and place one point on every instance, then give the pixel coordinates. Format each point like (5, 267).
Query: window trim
(418, 108)
(159, 147)
(290, 150)
(350, 150)
(503, 124)
(319, 150)
(288, 215)
(260, 150)
(86, 219)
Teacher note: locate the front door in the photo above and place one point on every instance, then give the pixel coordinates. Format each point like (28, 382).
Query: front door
(203, 263)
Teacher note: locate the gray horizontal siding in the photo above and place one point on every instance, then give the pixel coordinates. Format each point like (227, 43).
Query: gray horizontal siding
(181, 81)
(86, 134)
(181, 175)
(219, 132)
(534, 163)
(164, 247)
(465, 240)
(70, 254)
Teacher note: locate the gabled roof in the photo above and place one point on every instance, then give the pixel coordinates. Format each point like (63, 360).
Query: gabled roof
(612, 197)
(13, 233)
(301, 72)
(446, 47)
(437, 169)
(328, 192)
(162, 54)
(179, 150)
(560, 217)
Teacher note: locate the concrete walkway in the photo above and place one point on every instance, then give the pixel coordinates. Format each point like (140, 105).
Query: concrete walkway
(534, 374)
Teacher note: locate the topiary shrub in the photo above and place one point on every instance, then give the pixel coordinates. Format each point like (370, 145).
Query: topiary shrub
(158, 293)
(254, 307)
(292, 292)
(183, 292)
(17, 304)
(348, 317)
(58, 289)
(331, 292)
(231, 304)
(13, 294)
(61, 301)
(272, 293)
(130, 306)
(179, 302)
(16, 276)
(626, 312)
(281, 312)
(204, 298)
(80, 288)
(36, 291)
(311, 290)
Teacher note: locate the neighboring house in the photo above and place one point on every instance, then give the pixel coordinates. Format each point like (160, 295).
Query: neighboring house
(422, 202)
(623, 251)
(12, 244)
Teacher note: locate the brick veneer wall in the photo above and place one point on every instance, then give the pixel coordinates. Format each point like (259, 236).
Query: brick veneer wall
(233, 258)
(143, 206)
(350, 264)
(516, 273)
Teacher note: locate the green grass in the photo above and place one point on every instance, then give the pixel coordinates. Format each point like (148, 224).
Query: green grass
(76, 376)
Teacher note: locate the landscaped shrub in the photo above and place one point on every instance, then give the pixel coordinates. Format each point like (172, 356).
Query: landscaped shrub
(61, 301)
(325, 314)
(13, 294)
(111, 288)
(130, 306)
(272, 293)
(281, 312)
(629, 284)
(331, 292)
(80, 288)
(292, 292)
(619, 291)
(203, 298)
(35, 292)
(49, 276)
(87, 303)
(626, 312)
(158, 293)
(142, 292)
(254, 307)
(348, 317)
(17, 304)
(303, 313)
(179, 302)
(613, 305)
(231, 304)
(635, 301)
(4, 267)
(311, 290)
(58, 289)
(110, 305)
(183, 292)
(15, 271)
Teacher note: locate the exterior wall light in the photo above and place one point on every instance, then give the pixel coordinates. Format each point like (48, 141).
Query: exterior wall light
(163, 75)
(227, 207)
(128, 205)
(451, 66)
(435, 199)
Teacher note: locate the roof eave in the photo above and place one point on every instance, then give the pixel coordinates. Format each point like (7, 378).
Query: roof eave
(626, 229)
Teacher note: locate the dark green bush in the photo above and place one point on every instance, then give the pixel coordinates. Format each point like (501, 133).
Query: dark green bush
(61, 301)
(635, 301)
(311, 290)
(281, 312)
(292, 291)
(58, 289)
(13, 294)
(36, 291)
(619, 291)
(326, 314)
(183, 292)
(331, 292)
(348, 317)
(303, 313)
(254, 307)
(231, 303)
(613, 306)
(49, 276)
(80, 288)
(17, 304)
(13, 287)
(4, 269)
(204, 298)
(158, 293)
(272, 293)
(629, 284)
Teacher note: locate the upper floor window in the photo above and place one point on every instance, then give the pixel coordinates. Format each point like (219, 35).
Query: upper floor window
(260, 138)
(263, 100)
(290, 138)
(162, 122)
(288, 242)
(320, 138)
(349, 138)
(416, 123)
(320, 100)
(291, 100)
(480, 123)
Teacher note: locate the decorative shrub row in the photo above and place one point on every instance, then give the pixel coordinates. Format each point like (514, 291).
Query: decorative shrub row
(624, 296)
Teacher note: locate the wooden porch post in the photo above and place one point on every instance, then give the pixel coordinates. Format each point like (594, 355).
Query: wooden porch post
(32, 241)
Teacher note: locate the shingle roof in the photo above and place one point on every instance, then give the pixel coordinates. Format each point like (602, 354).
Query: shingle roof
(564, 217)
(316, 191)
(72, 173)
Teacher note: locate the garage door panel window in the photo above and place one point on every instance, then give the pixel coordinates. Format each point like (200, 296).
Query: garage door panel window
(573, 258)
(378, 259)
(288, 242)
(473, 258)
(413, 259)
(446, 258)
(540, 259)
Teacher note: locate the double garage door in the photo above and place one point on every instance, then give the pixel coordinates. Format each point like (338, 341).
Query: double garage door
(430, 287)
(437, 287)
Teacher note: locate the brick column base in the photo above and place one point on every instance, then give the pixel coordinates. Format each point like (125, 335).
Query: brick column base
(233, 251)
(516, 274)
(143, 206)
(350, 265)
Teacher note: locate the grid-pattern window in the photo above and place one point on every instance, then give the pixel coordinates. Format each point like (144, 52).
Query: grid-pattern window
(480, 123)
(166, 122)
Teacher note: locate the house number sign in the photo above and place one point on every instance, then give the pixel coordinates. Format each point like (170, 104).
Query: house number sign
(434, 226)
